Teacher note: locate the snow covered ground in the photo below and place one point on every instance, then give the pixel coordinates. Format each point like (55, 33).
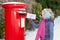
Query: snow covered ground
(30, 35)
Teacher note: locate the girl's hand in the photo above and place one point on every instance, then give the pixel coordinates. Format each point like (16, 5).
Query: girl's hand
(30, 20)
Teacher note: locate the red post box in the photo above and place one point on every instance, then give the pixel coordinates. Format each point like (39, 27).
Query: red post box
(15, 15)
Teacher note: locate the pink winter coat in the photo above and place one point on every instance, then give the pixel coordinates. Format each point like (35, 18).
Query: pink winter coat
(41, 31)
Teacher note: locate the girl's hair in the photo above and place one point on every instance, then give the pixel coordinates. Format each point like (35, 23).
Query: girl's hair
(50, 11)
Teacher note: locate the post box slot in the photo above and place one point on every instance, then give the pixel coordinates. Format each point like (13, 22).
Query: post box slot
(22, 14)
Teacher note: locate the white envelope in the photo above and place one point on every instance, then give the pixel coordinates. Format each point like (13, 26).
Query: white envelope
(31, 16)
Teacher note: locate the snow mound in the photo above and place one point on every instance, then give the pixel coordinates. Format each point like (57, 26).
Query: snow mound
(57, 28)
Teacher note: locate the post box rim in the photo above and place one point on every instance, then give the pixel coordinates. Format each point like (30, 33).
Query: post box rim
(10, 5)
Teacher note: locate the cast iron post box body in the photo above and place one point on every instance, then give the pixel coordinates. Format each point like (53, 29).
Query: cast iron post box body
(15, 15)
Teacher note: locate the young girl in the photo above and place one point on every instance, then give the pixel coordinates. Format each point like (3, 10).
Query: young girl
(45, 26)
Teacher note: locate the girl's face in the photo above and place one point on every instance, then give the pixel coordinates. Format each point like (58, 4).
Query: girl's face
(49, 14)
(43, 14)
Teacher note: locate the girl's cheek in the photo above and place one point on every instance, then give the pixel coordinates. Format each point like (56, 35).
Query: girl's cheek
(43, 17)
